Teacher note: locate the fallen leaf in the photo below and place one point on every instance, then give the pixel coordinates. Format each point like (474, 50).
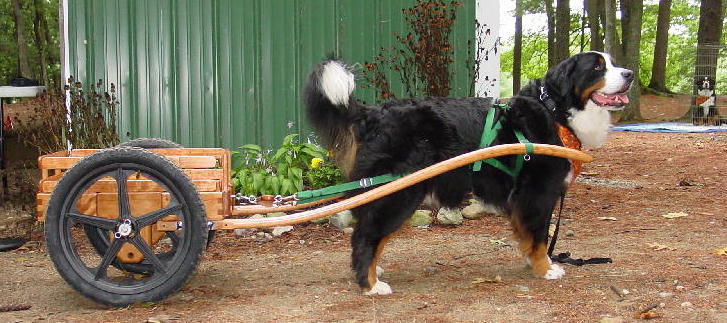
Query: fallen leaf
(590, 173)
(722, 251)
(498, 241)
(648, 315)
(674, 215)
(496, 279)
(607, 218)
(659, 247)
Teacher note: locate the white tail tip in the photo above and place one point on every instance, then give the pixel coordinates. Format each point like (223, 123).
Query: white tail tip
(337, 83)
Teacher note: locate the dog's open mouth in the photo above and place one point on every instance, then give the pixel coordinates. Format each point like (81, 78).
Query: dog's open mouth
(614, 101)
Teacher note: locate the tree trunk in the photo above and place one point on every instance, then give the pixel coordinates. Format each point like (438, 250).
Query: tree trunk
(711, 15)
(550, 14)
(40, 27)
(632, 12)
(23, 65)
(658, 69)
(594, 25)
(518, 48)
(611, 41)
(562, 30)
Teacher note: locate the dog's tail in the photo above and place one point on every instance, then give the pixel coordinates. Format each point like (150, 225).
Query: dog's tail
(330, 106)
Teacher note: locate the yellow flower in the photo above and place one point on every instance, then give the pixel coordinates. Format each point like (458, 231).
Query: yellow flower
(315, 162)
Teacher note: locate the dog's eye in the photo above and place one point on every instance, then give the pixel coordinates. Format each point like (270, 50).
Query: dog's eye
(598, 67)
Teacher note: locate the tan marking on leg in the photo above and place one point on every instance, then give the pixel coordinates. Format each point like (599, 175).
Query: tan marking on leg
(525, 241)
(535, 252)
(539, 259)
(372, 267)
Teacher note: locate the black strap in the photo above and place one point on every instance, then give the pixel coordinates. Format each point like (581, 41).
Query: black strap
(564, 257)
(545, 99)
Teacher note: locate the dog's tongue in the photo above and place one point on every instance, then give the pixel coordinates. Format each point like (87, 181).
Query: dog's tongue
(610, 99)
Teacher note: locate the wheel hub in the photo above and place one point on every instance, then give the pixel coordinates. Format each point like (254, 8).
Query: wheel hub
(124, 229)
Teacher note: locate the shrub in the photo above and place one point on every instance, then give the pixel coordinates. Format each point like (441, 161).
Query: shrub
(262, 172)
(91, 122)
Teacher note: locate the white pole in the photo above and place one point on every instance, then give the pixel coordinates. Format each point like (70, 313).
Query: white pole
(66, 65)
(487, 12)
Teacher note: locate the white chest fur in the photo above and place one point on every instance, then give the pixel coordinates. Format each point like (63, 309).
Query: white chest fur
(591, 125)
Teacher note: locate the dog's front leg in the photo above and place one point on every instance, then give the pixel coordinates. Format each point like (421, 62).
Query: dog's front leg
(530, 228)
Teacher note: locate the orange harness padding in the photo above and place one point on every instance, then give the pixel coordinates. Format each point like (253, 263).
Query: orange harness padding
(570, 140)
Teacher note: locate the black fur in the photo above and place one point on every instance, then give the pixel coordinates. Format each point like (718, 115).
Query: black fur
(406, 135)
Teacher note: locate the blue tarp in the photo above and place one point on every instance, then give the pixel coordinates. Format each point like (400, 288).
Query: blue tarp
(668, 127)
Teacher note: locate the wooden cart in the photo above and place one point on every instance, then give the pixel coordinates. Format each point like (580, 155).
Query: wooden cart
(127, 224)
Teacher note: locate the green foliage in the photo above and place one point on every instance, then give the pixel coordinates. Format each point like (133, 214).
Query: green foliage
(326, 174)
(263, 172)
(9, 45)
(681, 53)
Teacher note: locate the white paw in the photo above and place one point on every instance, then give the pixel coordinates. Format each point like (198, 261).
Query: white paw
(380, 288)
(379, 271)
(555, 272)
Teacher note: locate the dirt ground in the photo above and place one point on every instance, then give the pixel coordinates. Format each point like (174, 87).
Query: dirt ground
(445, 274)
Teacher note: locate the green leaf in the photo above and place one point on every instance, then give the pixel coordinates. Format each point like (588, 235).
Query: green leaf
(282, 168)
(275, 183)
(297, 172)
(279, 154)
(288, 140)
(285, 187)
(312, 153)
(298, 185)
(258, 179)
(251, 147)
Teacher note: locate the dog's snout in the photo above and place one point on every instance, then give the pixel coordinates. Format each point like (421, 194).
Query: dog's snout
(628, 74)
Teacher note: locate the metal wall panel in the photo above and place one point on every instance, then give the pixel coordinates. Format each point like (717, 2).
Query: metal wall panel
(225, 73)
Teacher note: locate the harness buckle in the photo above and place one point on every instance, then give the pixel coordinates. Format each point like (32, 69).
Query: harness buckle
(543, 93)
(526, 157)
(365, 182)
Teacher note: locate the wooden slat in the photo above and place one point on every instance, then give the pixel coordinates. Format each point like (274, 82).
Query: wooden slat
(214, 173)
(53, 162)
(187, 162)
(109, 186)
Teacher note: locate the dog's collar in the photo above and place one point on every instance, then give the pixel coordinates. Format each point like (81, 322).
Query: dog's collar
(545, 99)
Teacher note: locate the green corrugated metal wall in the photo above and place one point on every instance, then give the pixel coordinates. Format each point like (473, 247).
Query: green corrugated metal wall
(225, 73)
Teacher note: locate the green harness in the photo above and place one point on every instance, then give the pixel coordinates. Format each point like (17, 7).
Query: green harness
(489, 132)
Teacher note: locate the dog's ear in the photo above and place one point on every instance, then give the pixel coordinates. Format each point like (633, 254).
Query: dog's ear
(559, 79)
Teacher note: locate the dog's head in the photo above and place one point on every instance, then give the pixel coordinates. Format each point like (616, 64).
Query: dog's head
(585, 88)
(704, 84)
(589, 78)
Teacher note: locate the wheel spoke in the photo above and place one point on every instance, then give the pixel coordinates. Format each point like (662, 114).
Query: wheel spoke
(108, 258)
(94, 221)
(150, 218)
(149, 255)
(174, 237)
(123, 194)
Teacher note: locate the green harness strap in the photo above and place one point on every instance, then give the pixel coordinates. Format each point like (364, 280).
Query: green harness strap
(489, 132)
(330, 191)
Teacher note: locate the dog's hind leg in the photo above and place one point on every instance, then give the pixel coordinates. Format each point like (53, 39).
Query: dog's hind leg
(377, 223)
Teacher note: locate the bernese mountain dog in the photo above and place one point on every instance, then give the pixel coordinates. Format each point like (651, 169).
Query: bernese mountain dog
(706, 101)
(405, 135)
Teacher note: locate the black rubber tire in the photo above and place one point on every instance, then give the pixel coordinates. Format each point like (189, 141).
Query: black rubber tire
(170, 273)
(7, 244)
(150, 143)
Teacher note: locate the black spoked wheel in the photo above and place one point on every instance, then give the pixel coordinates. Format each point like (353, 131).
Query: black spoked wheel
(166, 265)
(100, 238)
